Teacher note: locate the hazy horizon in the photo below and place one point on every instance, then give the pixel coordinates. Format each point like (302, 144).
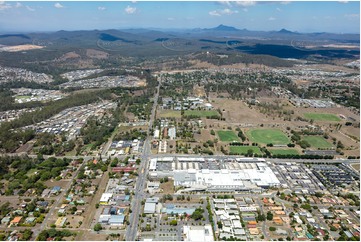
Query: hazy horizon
(302, 17)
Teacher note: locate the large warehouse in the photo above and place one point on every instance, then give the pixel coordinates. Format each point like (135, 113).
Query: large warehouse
(230, 176)
(225, 179)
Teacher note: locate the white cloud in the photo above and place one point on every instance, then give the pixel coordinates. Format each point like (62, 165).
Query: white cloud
(58, 5)
(352, 16)
(225, 11)
(171, 19)
(245, 3)
(214, 13)
(228, 11)
(18, 5)
(343, 1)
(245, 9)
(278, 9)
(30, 9)
(228, 3)
(4, 5)
(130, 10)
(101, 8)
(271, 19)
(285, 2)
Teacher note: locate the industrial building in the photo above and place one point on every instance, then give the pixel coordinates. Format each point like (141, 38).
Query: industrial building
(150, 205)
(212, 175)
(198, 233)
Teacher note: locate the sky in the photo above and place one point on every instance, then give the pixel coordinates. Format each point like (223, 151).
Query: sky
(300, 16)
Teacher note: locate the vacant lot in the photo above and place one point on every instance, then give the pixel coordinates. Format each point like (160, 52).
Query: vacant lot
(266, 136)
(235, 111)
(227, 136)
(283, 151)
(201, 113)
(317, 142)
(167, 187)
(238, 150)
(169, 114)
(356, 167)
(322, 116)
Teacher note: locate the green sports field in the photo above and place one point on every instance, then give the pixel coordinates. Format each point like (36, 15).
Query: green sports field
(201, 113)
(227, 136)
(317, 141)
(283, 151)
(322, 116)
(266, 136)
(237, 150)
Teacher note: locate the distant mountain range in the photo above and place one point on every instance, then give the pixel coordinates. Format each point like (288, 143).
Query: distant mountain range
(223, 28)
(221, 38)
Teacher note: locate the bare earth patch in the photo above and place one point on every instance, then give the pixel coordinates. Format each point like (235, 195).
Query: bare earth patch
(238, 112)
(17, 48)
(96, 54)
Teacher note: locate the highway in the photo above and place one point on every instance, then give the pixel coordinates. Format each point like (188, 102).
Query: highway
(132, 231)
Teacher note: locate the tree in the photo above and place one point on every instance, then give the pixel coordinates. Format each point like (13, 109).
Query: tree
(269, 215)
(333, 228)
(306, 206)
(127, 192)
(272, 229)
(98, 227)
(261, 217)
(114, 162)
(197, 214)
(27, 234)
(173, 222)
(250, 152)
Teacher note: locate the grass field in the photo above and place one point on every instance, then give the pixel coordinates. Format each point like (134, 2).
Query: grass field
(227, 135)
(283, 151)
(170, 114)
(266, 136)
(322, 116)
(201, 113)
(244, 149)
(317, 141)
(22, 97)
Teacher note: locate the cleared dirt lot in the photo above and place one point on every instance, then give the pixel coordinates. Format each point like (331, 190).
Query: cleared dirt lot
(349, 130)
(238, 112)
(90, 236)
(204, 136)
(356, 167)
(168, 187)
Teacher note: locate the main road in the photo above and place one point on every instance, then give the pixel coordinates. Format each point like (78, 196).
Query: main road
(132, 230)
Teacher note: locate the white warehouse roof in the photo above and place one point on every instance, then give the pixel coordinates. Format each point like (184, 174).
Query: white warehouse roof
(198, 233)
